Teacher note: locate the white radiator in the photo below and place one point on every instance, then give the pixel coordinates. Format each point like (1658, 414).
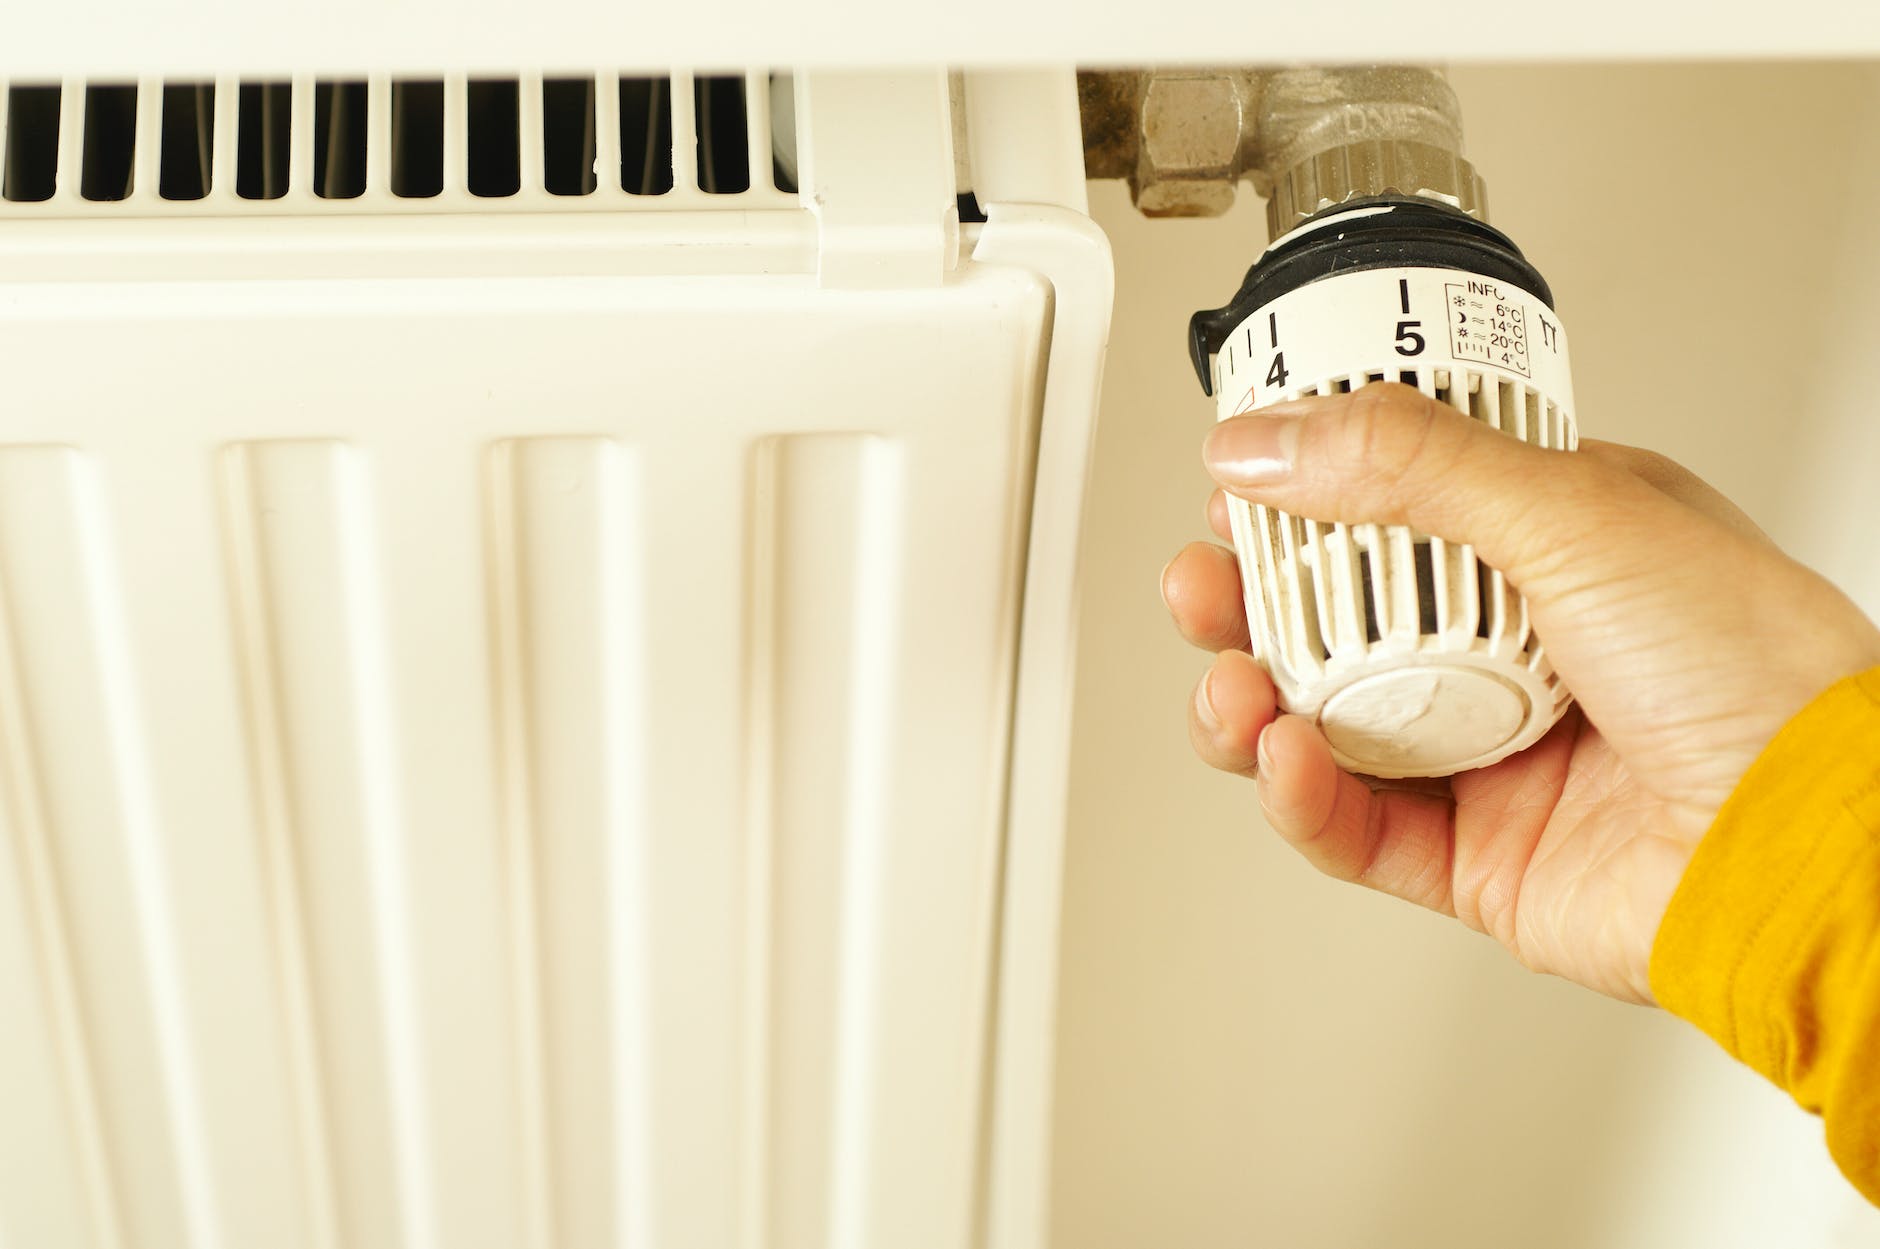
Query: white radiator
(536, 718)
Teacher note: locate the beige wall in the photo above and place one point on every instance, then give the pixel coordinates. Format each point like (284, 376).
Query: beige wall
(1251, 1055)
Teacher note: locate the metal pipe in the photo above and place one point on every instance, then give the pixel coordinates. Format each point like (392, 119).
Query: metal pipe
(1307, 137)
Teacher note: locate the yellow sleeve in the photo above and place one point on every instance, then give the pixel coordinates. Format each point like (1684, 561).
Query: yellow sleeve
(1771, 943)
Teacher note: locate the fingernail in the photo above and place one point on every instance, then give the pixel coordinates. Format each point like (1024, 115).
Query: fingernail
(1262, 757)
(1161, 581)
(1252, 450)
(1204, 703)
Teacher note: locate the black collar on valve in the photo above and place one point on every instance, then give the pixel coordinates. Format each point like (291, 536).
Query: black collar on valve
(1412, 233)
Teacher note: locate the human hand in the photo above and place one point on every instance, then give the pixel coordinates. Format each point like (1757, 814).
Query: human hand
(1686, 636)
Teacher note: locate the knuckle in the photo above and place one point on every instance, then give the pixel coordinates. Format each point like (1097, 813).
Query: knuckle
(1550, 531)
(1654, 469)
(1390, 430)
(1593, 479)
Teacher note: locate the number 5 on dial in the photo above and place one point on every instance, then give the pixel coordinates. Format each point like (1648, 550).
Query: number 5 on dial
(1409, 342)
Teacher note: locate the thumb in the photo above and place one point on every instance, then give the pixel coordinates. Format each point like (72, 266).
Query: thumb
(1389, 454)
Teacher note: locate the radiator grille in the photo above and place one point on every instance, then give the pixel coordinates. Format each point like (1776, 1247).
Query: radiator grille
(382, 144)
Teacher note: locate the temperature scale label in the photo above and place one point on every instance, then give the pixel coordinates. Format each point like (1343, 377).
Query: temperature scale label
(1489, 324)
(1396, 324)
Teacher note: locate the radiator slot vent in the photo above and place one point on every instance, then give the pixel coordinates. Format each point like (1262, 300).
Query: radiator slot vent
(262, 134)
(779, 103)
(339, 140)
(495, 163)
(568, 150)
(418, 139)
(724, 148)
(188, 153)
(32, 133)
(646, 136)
(110, 142)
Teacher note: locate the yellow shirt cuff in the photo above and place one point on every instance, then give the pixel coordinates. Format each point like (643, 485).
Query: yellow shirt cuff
(1771, 943)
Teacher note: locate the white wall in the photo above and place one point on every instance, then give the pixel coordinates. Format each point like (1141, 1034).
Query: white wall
(1252, 1055)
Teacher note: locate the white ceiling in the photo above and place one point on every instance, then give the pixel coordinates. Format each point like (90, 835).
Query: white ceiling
(171, 36)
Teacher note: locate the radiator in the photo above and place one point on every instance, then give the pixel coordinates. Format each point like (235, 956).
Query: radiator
(535, 649)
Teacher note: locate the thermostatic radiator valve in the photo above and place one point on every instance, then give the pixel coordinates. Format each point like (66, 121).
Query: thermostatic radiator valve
(1414, 658)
